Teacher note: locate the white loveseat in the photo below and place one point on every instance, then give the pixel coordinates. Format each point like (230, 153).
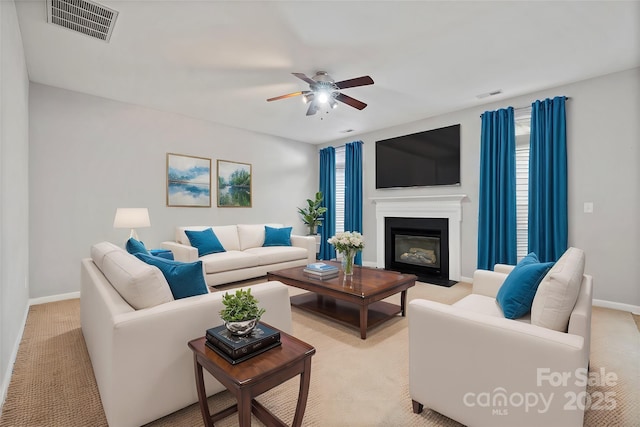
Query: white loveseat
(244, 256)
(470, 363)
(140, 358)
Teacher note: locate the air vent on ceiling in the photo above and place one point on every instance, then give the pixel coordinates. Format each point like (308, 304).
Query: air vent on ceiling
(487, 94)
(83, 16)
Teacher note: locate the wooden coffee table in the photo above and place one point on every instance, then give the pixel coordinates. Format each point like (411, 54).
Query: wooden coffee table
(356, 301)
(254, 376)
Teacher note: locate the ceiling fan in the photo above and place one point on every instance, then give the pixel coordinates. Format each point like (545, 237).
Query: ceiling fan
(325, 91)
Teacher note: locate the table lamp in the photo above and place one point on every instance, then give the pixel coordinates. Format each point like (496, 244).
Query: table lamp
(132, 218)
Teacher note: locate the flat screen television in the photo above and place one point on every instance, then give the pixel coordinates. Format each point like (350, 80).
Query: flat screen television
(421, 159)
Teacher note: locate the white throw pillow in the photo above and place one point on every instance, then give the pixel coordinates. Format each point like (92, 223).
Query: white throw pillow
(140, 284)
(558, 292)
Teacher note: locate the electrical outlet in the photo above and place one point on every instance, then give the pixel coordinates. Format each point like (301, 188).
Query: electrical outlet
(588, 207)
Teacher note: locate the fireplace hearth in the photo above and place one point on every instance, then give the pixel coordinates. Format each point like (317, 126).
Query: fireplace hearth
(418, 246)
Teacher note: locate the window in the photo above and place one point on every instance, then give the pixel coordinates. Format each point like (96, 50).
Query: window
(340, 180)
(523, 130)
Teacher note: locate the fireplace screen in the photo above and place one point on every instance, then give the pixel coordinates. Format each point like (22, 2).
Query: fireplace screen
(417, 250)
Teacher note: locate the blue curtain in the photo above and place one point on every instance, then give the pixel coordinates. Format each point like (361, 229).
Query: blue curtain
(548, 225)
(353, 190)
(497, 194)
(328, 188)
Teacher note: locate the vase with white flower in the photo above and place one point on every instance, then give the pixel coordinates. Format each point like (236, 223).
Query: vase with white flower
(348, 244)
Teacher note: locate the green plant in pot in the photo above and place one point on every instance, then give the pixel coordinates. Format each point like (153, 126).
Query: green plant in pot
(241, 313)
(312, 215)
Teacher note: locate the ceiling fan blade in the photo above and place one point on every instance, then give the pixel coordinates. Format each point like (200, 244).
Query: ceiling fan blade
(289, 95)
(358, 81)
(350, 101)
(312, 109)
(302, 76)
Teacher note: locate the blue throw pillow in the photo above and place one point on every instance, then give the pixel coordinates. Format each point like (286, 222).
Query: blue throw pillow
(277, 236)
(206, 241)
(136, 246)
(185, 279)
(516, 294)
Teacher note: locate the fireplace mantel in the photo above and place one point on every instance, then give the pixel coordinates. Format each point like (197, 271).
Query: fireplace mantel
(437, 206)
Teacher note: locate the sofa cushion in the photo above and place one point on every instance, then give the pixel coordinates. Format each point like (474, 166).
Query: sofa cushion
(516, 294)
(139, 284)
(230, 260)
(100, 250)
(186, 279)
(228, 236)
(205, 241)
(276, 254)
(277, 236)
(134, 246)
(252, 235)
(558, 291)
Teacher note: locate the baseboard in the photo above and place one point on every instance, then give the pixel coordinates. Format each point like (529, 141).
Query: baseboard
(12, 360)
(54, 298)
(635, 309)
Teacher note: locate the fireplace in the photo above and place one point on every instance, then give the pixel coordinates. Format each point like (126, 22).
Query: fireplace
(418, 246)
(448, 206)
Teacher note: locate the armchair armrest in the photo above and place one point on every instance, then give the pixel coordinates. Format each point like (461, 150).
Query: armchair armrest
(580, 319)
(503, 268)
(182, 253)
(487, 282)
(307, 242)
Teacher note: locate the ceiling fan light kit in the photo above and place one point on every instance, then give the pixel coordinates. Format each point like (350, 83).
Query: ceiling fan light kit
(323, 91)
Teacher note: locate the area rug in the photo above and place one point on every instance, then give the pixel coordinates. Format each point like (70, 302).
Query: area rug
(354, 382)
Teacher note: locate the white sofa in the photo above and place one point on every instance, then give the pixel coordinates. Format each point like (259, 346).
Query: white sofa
(470, 363)
(244, 256)
(140, 358)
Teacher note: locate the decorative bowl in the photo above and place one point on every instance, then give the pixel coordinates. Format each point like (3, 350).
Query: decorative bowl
(242, 328)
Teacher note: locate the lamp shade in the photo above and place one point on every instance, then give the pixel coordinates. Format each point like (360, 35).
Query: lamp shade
(131, 218)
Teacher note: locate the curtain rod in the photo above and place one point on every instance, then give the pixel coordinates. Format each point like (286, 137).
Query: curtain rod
(529, 106)
(343, 145)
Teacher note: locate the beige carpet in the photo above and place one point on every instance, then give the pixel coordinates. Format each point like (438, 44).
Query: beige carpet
(354, 382)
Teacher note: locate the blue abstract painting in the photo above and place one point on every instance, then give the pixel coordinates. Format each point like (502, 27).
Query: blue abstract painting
(188, 181)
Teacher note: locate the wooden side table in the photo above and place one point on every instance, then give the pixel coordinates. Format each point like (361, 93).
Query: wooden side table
(250, 378)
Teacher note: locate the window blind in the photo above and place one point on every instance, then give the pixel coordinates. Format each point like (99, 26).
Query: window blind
(340, 182)
(523, 130)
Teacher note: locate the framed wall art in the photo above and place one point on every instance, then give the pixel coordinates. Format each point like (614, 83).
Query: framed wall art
(234, 184)
(188, 181)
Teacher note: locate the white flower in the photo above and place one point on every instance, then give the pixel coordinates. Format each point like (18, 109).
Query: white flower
(349, 240)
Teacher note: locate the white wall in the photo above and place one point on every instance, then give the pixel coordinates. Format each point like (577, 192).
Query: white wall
(91, 155)
(603, 138)
(14, 207)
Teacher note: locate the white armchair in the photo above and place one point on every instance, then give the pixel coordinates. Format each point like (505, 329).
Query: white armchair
(470, 363)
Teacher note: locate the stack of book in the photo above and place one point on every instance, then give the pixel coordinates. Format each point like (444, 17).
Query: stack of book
(320, 270)
(235, 349)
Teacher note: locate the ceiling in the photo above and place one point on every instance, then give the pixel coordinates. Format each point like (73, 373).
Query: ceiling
(220, 60)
